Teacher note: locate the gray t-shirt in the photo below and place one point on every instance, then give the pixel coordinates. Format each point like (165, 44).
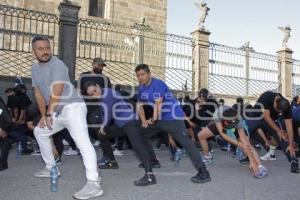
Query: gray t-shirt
(45, 74)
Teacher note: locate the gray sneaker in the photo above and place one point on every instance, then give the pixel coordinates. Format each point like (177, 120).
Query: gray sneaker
(92, 189)
(45, 173)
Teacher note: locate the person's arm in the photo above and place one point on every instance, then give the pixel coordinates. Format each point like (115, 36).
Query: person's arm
(290, 133)
(141, 112)
(272, 124)
(157, 109)
(224, 135)
(41, 103)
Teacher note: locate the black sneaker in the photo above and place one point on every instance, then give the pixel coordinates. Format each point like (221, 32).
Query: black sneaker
(294, 167)
(154, 163)
(27, 151)
(3, 166)
(245, 161)
(112, 164)
(201, 177)
(148, 179)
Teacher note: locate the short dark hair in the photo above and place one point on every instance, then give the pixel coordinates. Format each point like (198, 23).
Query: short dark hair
(39, 38)
(143, 67)
(240, 100)
(87, 85)
(283, 105)
(204, 93)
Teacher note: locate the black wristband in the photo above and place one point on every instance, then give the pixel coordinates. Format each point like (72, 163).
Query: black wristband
(48, 115)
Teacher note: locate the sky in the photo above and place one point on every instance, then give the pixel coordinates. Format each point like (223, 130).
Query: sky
(234, 22)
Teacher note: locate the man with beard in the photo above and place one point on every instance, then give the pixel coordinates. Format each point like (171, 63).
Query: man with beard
(96, 76)
(61, 107)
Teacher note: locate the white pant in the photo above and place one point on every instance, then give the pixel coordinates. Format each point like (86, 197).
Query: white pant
(72, 117)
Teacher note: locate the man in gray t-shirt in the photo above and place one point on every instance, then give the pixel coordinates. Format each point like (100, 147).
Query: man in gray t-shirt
(61, 107)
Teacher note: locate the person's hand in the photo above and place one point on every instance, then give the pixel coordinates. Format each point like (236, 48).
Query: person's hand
(172, 143)
(291, 149)
(101, 131)
(3, 134)
(49, 122)
(253, 168)
(146, 123)
(282, 135)
(42, 122)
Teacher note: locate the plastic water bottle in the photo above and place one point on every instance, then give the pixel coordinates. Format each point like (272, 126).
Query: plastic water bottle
(53, 179)
(178, 156)
(19, 150)
(228, 148)
(239, 154)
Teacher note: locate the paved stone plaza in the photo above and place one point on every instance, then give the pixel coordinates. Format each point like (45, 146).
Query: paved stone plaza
(230, 180)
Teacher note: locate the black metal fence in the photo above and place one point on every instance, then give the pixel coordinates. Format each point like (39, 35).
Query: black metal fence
(296, 77)
(17, 27)
(232, 71)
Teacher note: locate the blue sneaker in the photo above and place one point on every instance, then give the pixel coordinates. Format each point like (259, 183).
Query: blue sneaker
(103, 160)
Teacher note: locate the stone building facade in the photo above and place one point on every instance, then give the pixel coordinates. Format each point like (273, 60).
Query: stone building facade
(124, 12)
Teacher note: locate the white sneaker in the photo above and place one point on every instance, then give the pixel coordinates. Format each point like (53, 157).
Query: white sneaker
(268, 156)
(118, 153)
(96, 143)
(45, 173)
(71, 152)
(92, 189)
(65, 142)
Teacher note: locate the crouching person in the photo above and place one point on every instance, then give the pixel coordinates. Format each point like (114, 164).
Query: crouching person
(114, 109)
(235, 131)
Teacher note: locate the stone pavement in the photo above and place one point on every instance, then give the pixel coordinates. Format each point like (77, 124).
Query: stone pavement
(230, 180)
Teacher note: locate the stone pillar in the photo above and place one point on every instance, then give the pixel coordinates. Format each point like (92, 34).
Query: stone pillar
(67, 44)
(285, 65)
(200, 58)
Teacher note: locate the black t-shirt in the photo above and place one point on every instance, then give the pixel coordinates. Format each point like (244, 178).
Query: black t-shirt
(12, 102)
(5, 118)
(205, 114)
(33, 114)
(23, 101)
(102, 80)
(267, 100)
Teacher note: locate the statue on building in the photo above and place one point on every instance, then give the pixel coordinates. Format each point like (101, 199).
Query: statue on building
(287, 34)
(204, 13)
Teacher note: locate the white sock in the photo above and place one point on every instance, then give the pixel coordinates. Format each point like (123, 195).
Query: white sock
(272, 150)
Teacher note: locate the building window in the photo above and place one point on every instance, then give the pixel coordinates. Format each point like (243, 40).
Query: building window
(97, 8)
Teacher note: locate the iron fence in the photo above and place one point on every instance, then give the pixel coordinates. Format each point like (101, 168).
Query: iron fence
(169, 56)
(296, 78)
(17, 28)
(241, 71)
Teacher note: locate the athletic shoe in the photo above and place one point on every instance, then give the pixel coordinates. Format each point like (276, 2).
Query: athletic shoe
(245, 160)
(45, 173)
(58, 160)
(103, 160)
(268, 156)
(71, 152)
(118, 153)
(201, 177)
(96, 143)
(92, 189)
(148, 179)
(111, 164)
(36, 153)
(27, 151)
(207, 159)
(294, 166)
